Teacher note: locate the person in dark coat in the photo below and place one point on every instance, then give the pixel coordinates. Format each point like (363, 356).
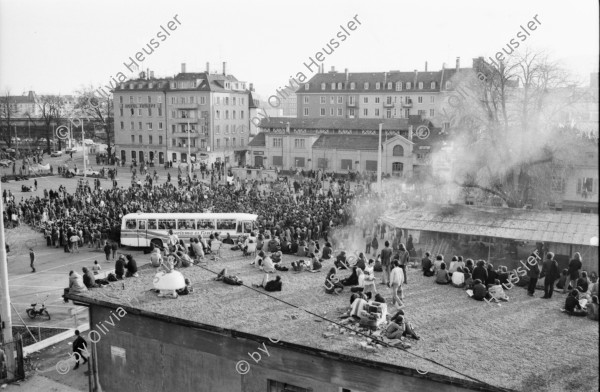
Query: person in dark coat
(480, 272)
(120, 267)
(574, 267)
(79, 347)
(534, 274)
(131, 267)
(550, 273)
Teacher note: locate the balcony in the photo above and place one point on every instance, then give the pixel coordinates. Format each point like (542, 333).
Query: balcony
(351, 104)
(182, 148)
(407, 104)
(186, 120)
(388, 105)
(193, 135)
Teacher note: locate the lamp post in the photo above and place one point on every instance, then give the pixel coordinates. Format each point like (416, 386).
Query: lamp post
(189, 158)
(379, 168)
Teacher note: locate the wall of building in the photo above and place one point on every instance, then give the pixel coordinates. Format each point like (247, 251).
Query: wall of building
(147, 354)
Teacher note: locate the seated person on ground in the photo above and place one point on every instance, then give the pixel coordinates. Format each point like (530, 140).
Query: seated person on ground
(572, 305)
(294, 247)
(131, 267)
(468, 280)
(491, 275)
(267, 265)
(409, 330)
(155, 257)
(583, 284)
(228, 240)
(470, 265)
(592, 308)
(184, 259)
(479, 272)
(361, 262)
(332, 283)
(258, 259)
(188, 289)
(285, 246)
(276, 257)
(439, 259)
(270, 285)
(427, 265)
(458, 278)
(229, 279)
(340, 261)
(497, 292)
(273, 246)
(564, 278)
(453, 264)
(503, 275)
(360, 286)
(299, 266)
(480, 292)
(315, 264)
(441, 275)
(96, 267)
(197, 248)
(351, 280)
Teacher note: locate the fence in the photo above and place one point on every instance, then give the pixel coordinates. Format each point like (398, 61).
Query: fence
(14, 348)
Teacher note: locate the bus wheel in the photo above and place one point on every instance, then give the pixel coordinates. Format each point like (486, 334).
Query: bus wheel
(157, 243)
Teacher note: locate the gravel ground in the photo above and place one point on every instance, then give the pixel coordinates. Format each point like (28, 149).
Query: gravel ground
(526, 344)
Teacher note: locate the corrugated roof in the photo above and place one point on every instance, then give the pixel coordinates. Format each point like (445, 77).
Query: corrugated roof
(525, 225)
(347, 142)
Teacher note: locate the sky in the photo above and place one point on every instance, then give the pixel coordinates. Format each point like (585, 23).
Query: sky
(59, 46)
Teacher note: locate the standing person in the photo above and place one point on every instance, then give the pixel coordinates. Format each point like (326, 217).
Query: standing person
(374, 244)
(550, 273)
(396, 280)
(79, 347)
(107, 250)
(534, 274)
(114, 247)
(403, 259)
(574, 267)
(386, 258)
(31, 259)
(35, 184)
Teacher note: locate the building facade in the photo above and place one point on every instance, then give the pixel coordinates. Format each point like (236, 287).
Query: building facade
(192, 117)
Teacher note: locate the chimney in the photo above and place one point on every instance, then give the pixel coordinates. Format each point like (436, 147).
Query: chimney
(224, 68)
(425, 66)
(207, 67)
(182, 67)
(151, 74)
(416, 77)
(251, 86)
(332, 68)
(384, 79)
(457, 64)
(346, 71)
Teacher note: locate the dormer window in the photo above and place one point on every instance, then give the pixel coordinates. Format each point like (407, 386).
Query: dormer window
(377, 86)
(448, 85)
(340, 86)
(408, 85)
(366, 86)
(420, 85)
(398, 86)
(352, 85)
(306, 86)
(149, 85)
(433, 85)
(131, 86)
(333, 86)
(323, 86)
(389, 85)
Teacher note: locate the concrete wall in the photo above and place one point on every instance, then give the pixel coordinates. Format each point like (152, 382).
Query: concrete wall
(141, 353)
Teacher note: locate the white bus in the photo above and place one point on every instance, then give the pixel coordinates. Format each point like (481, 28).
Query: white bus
(142, 229)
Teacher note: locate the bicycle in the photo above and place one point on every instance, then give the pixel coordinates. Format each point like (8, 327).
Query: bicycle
(33, 312)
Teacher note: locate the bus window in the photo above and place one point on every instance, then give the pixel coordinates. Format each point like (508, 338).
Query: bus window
(141, 225)
(130, 224)
(247, 227)
(152, 224)
(226, 224)
(186, 224)
(166, 224)
(204, 224)
(240, 226)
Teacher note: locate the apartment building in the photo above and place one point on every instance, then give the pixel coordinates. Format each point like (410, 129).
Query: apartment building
(191, 117)
(376, 95)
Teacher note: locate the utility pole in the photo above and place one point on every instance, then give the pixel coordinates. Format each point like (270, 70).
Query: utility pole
(5, 313)
(189, 157)
(83, 146)
(379, 168)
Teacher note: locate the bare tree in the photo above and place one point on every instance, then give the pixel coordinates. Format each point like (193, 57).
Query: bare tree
(7, 114)
(507, 142)
(51, 108)
(99, 110)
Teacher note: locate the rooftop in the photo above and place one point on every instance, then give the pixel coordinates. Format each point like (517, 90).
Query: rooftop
(498, 344)
(510, 223)
(394, 124)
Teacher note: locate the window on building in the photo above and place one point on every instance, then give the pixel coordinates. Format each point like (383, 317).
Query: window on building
(121, 99)
(333, 86)
(448, 85)
(377, 100)
(149, 139)
(587, 186)
(218, 143)
(351, 113)
(431, 113)
(226, 100)
(346, 164)
(365, 99)
(558, 184)
(160, 125)
(132, 111)
(121, 112)
(132, 125)
(422, 113)
(139, 99)
(432, 99)
(218, 114)
(149, 125)
(332, 99)
(331, 111)
(277, 142)
(122, 125)
(388, 113)
(277, 161)
(139, 111)
(299, 161)
(132, 139)
(130, 99)
(234, 101)
(420, 85)
(233, 114)
(366, 86)
(377, 112)
(140, 139)
(398, 86)
(408, 85)
(397, 167)
(323, 86)
(340, 112)
(365, 112)
(306, 86)
(160, 140)
(140, 125)
(433, 85)
(323, 100)
(371, 166)
(217, 129)
(398, 151)
(420, 99)
(306, 111)
(227, 129)
(352, 86)
(299, 143)
(322, 111)
(340, 99)
(388, 100)
(218, 102)
(377, 86)
(389, 85)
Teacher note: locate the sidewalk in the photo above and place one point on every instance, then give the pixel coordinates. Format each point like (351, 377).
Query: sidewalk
(37, 383)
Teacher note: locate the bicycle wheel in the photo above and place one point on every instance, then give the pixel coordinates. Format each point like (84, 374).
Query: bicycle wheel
(47, 314)
(31, 313)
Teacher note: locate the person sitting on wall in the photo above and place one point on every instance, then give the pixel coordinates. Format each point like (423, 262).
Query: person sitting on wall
(497, 292)
(270, 285)
(427, 265)
(229, 279)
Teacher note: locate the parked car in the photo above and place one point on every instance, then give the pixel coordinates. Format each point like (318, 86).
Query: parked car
(56, 154)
